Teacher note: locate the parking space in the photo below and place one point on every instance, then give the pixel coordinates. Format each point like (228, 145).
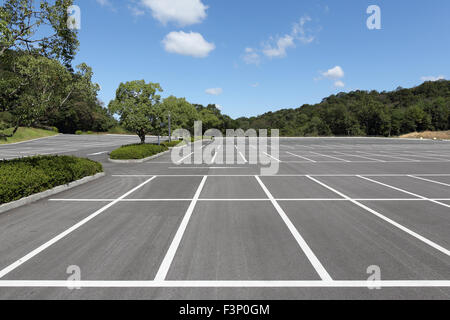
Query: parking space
(239, 241)
(126, 243)
(335, 211)
(347, 239)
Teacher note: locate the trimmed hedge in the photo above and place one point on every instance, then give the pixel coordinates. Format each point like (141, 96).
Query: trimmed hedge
(173, 143)
(137, 151)
(23, 177)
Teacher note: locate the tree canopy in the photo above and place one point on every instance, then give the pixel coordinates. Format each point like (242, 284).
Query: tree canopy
(136, 103)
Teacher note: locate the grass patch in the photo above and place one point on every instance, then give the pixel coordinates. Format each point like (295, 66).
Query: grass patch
(119, 130)
(137, 151)
(437, 135)
(23, 177)
(25, 134)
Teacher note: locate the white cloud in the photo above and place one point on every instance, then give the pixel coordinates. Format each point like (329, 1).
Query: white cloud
(339, 84)
(432, 78)
(182, 12)
(218, 106)
(277, 47)
(254, 85)
(279, 51)
(136, 11)
(214, 91)
(334, 73)
(251, 56)
(300, 33)
(189, 44)
(104, 2)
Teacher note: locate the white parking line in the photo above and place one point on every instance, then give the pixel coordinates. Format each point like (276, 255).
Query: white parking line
(301, 242)
(386, 156)
(227, 284)
(98, 153)
(170, 255)
(362, 157)
(215, 154)
(248, 199)
(379, 215)
(240, 153)
(433, 181)
(323, 155)
(301, 157)
(278, 160)
(404, 191)
(49, 243)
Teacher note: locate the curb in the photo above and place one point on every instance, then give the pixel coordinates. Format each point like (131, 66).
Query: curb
(140, 160)
(38, 196)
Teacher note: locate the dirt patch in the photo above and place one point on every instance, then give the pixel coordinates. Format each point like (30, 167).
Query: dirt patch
(438, 135)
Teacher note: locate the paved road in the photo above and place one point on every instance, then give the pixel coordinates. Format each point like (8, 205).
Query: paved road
(79, 145)
(338, 212)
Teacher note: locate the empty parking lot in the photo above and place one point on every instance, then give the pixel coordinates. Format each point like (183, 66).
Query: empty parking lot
(339, 212)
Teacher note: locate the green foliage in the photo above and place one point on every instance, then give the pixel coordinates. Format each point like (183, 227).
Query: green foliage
(24, 177)
(361, 113)
(79, 132)
(36, 90)
(173, 143)
(137, 151)
(182, 113)
(42, 29)
(136, 103)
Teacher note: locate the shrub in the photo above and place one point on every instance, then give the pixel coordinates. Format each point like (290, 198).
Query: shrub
(24, 177)
(173, 143)
(79, 132)
(137, 151)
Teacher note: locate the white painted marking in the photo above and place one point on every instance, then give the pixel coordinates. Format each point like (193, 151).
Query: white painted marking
(387, 156)
(98, 153)
(253, 199)
(379, 215)
(404, 191)
(296, 155)
(226, 284)
(433, 181)
(324, 155)
(284, 175)
(49, 243)
(215, 154)
(301, 242)
(362, 157)
(278, 160)
(170, 255)
(240, 153)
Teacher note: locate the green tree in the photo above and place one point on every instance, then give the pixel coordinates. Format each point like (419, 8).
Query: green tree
(183, 114)
(41, 28)
(136, 103)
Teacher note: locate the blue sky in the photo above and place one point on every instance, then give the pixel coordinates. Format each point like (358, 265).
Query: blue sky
(254, 56)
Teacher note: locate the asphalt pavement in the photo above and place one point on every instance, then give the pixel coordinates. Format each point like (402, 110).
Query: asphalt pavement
(337, 215)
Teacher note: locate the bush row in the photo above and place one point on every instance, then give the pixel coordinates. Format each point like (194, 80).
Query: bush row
(23, 177)
(137, 151)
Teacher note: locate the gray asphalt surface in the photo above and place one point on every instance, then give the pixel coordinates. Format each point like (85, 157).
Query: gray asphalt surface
(337, 208)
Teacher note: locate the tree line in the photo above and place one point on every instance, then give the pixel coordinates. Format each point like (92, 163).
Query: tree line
(364, 113)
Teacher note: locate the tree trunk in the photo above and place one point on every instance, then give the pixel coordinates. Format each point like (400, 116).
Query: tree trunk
(141, 135)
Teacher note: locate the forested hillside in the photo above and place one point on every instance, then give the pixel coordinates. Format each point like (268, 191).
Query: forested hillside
(426, 107)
